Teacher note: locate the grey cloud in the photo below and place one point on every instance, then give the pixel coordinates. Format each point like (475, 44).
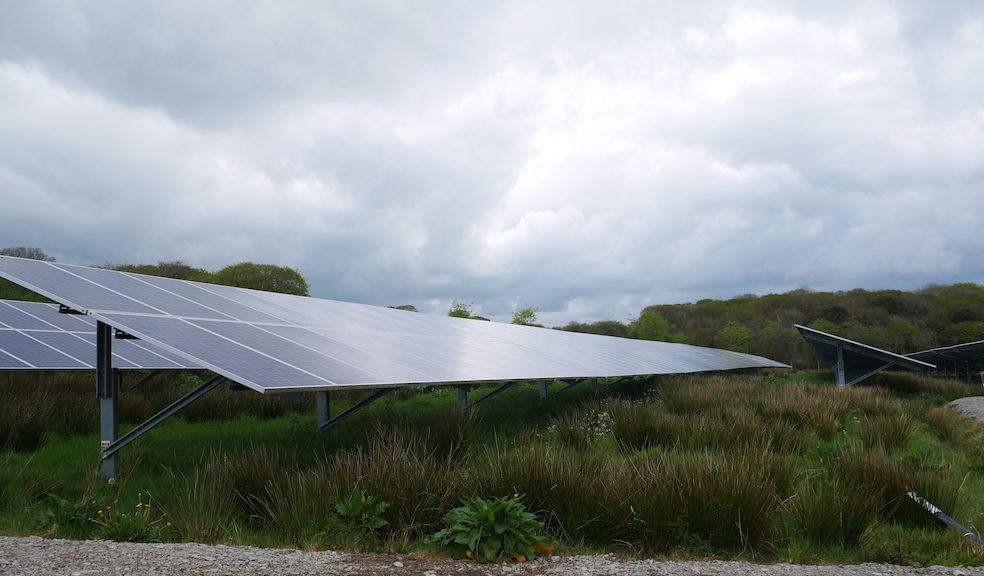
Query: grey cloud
(589, 159)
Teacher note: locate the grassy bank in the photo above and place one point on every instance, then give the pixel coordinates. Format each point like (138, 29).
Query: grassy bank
(764, 466)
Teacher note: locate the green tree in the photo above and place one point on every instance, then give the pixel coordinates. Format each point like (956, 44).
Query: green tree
(604, 327)
(651, 325)
(173, 269)
(11, 291)
(26, 252)
(525, 316)
(263, 277)
(460, 309)
(734, 336)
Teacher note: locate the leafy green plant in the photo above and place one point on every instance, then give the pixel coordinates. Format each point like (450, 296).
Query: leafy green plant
(63, 517)
(487, 531)
(144, 523)
(362, 512)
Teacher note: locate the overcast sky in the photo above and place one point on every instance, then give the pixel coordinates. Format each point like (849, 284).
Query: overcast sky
(588, 159)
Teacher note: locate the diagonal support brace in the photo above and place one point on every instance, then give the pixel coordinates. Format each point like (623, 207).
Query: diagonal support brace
(498, 390)
(881, 368)
(153, 374)
(544, 394)
(944, 517)
(161, 416)
(324, 427)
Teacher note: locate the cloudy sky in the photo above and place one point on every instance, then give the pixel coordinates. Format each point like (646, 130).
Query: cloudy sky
(587, 159)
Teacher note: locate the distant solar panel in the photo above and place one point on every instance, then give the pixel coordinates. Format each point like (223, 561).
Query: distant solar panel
(277, 343)
(36, 336)
(854, 361)
(968, 352)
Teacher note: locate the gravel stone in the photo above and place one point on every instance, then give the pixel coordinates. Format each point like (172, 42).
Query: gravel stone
(34, 556)
(971, 406)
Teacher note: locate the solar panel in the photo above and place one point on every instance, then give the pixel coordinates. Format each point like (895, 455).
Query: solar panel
(36, 336)
(968, 352)
(859, 360)
(277, 342)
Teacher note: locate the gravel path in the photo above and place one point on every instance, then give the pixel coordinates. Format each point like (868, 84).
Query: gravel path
(34, 556)
(971, 406)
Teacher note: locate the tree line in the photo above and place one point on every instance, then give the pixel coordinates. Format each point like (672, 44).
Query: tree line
(243, 274)
(895, 320)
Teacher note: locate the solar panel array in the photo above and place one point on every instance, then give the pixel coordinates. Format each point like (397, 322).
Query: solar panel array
(859, 359)
(276, 342)
(35, 336)
(971, 353)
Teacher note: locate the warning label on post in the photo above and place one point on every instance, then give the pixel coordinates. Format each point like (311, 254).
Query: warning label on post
(104, 444)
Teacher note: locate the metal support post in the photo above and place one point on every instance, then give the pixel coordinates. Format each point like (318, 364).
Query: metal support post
(354, 408)
(841, 377)
(543, 390)
(594, 385)
(109, 452)
(107, 389)
(323, 407)
(462, 397)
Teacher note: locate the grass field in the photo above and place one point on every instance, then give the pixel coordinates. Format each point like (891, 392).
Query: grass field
(767, 466)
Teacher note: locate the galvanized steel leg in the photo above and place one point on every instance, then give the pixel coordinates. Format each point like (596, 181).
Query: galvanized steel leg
(543, 389)
(107, 389)
(462, 398)
(323, 408)
(594, 385)
(841, 377)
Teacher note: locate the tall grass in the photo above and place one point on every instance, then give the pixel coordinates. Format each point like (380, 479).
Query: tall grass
(828, 513)
(707, 465)
(887, 481)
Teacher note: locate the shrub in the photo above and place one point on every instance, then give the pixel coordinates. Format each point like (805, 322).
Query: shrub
(249, 475)
(886, 432)
(887, 482)
(62, 517)
(925, 385)
(362, 513)
(944, 423)
(397, 467)
(640, 426)
(725, 500)
(144, 523)
(487, 531)
(570, 487)
(201, 507)
(828, 513)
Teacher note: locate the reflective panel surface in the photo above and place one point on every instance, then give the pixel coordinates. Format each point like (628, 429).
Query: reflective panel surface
(278, 342)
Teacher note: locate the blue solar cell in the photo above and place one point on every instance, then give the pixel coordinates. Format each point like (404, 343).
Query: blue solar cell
(303, 358)
(33, 352)
(136, 354)
(211, 296)
(49, 313)
(383, 361)
(15, 318)
(46, 278)
(228, 358)
(147, 293)
(9, 362)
